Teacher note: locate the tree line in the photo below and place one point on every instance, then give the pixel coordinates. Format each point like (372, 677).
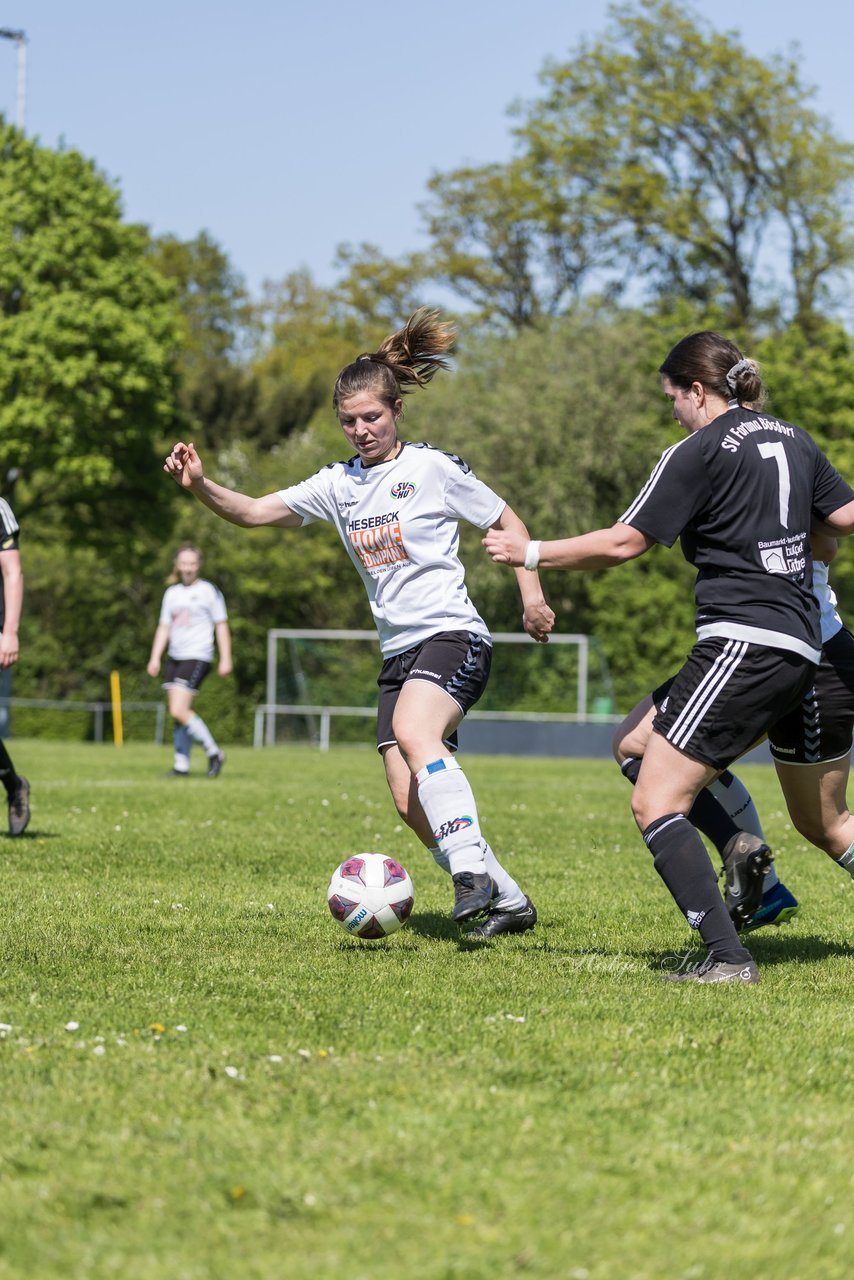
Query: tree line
(664, 179)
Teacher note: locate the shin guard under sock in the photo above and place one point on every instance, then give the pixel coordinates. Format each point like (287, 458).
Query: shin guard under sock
(448, 801)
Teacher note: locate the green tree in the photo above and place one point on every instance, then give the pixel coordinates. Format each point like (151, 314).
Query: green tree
(88, 333)
(665, 158)
(378, 291)
(218, 394)
(498, 246)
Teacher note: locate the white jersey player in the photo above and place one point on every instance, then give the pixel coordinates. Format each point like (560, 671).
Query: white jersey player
(16, 786)
(396, 506)
(192, 613)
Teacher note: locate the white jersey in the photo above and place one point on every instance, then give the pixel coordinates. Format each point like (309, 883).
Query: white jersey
(191, 613)
(398, 522)
(8, 542)
(826, 597)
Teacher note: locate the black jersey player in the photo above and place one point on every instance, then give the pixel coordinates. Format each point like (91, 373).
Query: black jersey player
(742, 492)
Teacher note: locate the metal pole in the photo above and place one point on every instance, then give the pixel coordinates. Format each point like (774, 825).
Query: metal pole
(271, 687)
(583, 667)
(116, 703)
(22, 83)
(20, 39)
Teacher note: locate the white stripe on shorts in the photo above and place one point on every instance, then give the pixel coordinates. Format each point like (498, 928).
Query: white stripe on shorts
(707, 690)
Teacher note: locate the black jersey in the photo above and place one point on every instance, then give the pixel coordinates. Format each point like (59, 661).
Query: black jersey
(8, 542)
(741, 493)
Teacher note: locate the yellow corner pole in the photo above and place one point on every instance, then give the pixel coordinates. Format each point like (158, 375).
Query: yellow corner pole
(116, 696)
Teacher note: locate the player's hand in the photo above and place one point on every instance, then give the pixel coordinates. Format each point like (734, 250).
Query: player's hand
(505, 546)
(184, 465)
(224, 669)
(538, 620)
(8, 650)
(153, 668)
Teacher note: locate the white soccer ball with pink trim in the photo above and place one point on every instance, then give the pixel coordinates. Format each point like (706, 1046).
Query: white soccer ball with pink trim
(370, 895)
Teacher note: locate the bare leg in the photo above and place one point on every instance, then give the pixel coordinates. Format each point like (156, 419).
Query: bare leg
(817, 803)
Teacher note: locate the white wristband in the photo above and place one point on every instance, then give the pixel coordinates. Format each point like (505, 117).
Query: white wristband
(532, 555)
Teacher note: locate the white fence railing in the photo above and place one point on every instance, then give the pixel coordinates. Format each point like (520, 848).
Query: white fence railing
(265, 719)
(98, 709)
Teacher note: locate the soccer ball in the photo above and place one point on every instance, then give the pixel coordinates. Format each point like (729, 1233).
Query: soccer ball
(370, 895)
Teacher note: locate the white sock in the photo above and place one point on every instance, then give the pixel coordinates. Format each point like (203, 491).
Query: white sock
(846, 862)
(508, 897)
(736, 799)
(200, 733)
(183, 743)
(448, 801)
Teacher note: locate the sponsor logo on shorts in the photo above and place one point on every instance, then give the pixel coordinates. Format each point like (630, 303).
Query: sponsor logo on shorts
(422, 671)
(403, 489)
(451, 827)
(695, 918)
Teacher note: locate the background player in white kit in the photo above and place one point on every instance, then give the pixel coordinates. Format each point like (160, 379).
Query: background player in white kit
(192, 613)
(396, 507)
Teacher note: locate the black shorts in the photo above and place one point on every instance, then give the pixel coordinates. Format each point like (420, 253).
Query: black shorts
(821, 729)
(456, 661)
(185, 673)
(727, 696)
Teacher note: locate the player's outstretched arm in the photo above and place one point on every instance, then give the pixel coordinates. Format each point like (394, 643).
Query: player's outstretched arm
(839, 524)
(599, 549)
(185, 467)
(538, 618)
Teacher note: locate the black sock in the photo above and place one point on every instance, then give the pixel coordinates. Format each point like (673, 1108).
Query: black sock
(7, 771)
(683, 864)
(709, 816)
(706, 813)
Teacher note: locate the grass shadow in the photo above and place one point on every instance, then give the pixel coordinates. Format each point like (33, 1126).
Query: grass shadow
(800, 949)
(804, 948)
(430, 924)
(31, 835)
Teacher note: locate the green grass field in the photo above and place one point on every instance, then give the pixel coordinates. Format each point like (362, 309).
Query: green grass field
(203, 1077)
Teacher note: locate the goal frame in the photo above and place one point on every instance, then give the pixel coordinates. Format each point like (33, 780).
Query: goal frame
(265, 716)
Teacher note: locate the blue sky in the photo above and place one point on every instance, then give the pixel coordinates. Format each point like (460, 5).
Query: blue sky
(285, 129)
